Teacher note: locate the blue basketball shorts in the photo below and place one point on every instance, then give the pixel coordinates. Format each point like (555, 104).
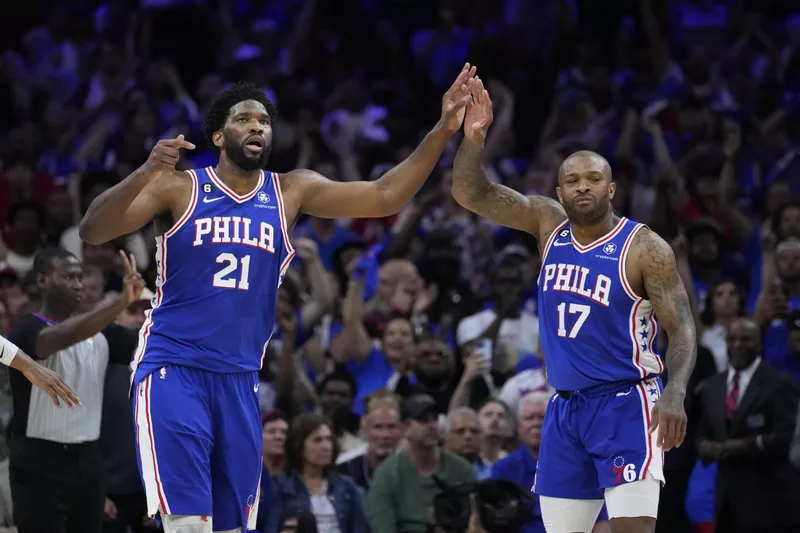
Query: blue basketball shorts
(198, 438)
(598, 439)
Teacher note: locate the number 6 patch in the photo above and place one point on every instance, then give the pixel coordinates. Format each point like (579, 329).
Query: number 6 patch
(206, 188)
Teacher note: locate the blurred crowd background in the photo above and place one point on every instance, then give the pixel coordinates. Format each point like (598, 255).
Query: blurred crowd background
(694, 102)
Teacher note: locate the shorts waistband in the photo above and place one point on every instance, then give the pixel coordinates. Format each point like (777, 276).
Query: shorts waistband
(603, 388)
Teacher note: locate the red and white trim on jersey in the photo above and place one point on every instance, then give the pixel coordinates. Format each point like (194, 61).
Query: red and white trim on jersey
(553, 236)
(251, 510)
(161, 273)
(154, 490)
(653, 464)
(602, 240)
(284, 224)
(227, 190)
(642, 324)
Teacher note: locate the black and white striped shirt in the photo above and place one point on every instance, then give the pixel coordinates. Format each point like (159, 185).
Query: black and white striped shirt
(82, 366)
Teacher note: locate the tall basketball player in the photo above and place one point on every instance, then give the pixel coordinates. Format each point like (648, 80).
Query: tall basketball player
(603, 282)
(222, 251)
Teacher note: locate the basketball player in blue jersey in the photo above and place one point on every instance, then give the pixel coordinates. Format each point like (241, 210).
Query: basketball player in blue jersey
(222, 251)
(606, 283)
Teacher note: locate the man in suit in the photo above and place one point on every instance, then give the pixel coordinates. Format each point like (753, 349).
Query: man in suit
(747, 425)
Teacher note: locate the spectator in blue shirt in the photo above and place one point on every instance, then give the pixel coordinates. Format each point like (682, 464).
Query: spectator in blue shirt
(520, 465)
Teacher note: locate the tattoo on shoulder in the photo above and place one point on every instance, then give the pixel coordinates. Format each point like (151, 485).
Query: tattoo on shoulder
(660, 272)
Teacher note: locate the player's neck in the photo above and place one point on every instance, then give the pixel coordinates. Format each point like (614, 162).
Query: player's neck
(274, 464)
(533, 450)
(792, 288)
(490, 449)
(239, 180)
(313, 475)
(590, 233)
(373, 459)
(55, 310)
(424, 458)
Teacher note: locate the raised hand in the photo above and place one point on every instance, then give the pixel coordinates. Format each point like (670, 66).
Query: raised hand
(455, 100)
(306, 249)
(479, 112)
(132, 282)
(165, 155)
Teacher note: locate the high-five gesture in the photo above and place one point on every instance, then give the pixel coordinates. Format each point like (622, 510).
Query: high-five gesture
(165, 155)
(455, 100)
(132, 282)
(479, 112)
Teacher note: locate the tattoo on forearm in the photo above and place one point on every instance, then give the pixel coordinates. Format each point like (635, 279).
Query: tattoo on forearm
(472, 187)
(664, 288)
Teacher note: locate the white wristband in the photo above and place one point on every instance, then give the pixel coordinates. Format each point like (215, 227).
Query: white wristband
(8, 350)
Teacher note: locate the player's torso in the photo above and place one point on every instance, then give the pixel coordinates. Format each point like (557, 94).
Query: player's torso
(594, 329)
(219, 268)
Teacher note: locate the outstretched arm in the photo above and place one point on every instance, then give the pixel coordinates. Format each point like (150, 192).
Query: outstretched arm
(664, 288)
(385, 196)
(471, 185)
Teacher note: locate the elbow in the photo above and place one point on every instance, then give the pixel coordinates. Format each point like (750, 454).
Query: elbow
(87, 233)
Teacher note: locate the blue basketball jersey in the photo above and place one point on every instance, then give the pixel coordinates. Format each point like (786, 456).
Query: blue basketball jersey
(594, 329)
(219, 268)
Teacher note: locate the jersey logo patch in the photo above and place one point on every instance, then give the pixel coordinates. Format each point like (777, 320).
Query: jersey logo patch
(610, 248)
(263, 197)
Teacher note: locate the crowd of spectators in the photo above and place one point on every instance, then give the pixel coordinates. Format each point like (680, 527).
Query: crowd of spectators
(419, 332)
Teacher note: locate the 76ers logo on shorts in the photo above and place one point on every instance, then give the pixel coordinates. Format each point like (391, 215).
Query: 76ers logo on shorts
(624, 471)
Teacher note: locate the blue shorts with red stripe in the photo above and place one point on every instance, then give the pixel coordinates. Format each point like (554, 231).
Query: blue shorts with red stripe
(198, 438)
(598, 439)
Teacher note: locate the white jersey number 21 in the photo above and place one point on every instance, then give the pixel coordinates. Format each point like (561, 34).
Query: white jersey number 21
(574, 309)
(226, 278)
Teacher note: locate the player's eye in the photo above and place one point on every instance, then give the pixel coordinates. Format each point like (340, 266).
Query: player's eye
(265, 122)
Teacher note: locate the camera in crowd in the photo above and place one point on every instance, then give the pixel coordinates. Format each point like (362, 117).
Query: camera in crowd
(501, 506)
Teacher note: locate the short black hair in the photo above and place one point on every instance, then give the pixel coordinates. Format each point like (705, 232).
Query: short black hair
(22, 206)
(222, 104)
(339, 374)
(44, 259)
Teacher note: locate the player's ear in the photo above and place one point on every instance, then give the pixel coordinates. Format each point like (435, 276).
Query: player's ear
(612, 189)
(558, 193)
(218, 139)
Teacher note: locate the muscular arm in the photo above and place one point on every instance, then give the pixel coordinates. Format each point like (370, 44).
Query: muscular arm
(129, 205)
(77, 328)
(473, 190)
(385, 196)
(664, 288)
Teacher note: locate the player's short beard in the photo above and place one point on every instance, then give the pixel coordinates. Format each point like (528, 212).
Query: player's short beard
(598, 212)
(236, 153)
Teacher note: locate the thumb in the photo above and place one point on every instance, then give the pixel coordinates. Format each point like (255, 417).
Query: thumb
(461, 103)
(180, 137)
(653, 420)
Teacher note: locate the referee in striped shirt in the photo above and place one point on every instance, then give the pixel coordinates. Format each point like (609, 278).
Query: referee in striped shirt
(56, 467)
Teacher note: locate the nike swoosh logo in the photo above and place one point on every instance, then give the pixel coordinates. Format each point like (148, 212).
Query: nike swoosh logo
(207, 200)
(558, 243)
(255, 389)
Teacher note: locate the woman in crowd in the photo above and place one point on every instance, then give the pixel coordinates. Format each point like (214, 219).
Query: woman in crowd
(274, 427)
(311, 482)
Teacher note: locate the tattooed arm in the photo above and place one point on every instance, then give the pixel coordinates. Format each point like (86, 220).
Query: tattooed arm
(665, 290)
(474, 191)
(471, 185)
(662, 285)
